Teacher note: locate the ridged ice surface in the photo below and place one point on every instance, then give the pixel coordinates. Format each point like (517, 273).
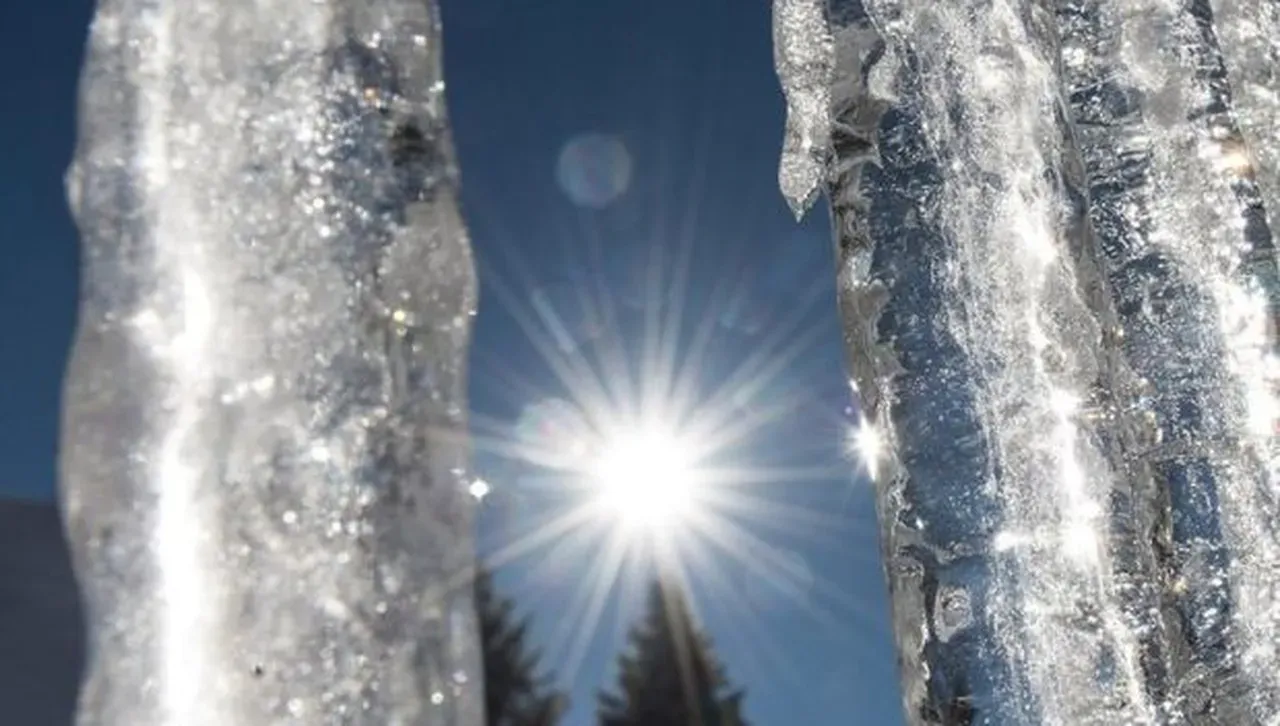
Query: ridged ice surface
(1249, 37)
(262, 456)
(1057, 282)
(1189, 253)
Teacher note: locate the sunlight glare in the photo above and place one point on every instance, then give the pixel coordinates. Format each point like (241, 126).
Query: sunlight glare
(660, 474)
(646, 479)
(869, 447)
(479, 489)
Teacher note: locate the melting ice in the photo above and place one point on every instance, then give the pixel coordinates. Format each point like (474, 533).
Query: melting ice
(261, 463)
(1058, 283)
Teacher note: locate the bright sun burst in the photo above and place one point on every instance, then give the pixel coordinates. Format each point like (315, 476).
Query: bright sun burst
(653, 458)
(646, 478)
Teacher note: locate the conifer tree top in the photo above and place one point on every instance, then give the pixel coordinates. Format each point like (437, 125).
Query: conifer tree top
(669, 675)
(516, 694)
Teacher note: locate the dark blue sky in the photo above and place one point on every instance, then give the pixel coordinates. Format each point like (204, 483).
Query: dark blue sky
(688, 89)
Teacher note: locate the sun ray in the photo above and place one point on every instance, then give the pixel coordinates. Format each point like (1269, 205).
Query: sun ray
(673, 327)
(609, 508)
(778, 516)
(579, 380)
(605, 345)
(683, 395)
(566, 524)
(750, 639)
(570, 368)
(717, 417)
(589, 605)
(762, 474)
(608, 347)
(734, 542)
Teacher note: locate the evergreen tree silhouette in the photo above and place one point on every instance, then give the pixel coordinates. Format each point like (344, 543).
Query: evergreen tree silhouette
(669, 676)
(515, 693)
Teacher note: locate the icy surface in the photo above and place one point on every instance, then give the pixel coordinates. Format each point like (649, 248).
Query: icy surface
(1192, 266)
(1057, 282)
(804, 58)
(263, 468)
(1249, 31)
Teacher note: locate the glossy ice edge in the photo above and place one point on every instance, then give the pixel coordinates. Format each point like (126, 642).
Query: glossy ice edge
(263, 448)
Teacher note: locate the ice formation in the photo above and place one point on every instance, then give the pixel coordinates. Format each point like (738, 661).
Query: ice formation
(1058, 286)
(263, 462)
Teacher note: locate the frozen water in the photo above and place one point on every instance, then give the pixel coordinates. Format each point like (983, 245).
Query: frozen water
(263, 469)
(1249, 31)
(803, 56)
(1056, 276)
(1189, 254)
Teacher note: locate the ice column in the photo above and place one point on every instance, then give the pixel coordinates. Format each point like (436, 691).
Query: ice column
(1249, 31)
(263, 455)
(1185, 242)
(1059, 291)
(985, 351)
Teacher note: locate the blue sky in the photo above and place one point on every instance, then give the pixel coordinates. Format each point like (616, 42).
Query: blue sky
(678, 220)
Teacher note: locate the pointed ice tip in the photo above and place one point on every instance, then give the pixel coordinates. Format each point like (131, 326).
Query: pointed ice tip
(799, 189)
(799, 206)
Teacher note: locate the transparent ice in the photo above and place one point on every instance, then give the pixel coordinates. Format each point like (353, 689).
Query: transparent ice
(1059, 289)
(263, 466)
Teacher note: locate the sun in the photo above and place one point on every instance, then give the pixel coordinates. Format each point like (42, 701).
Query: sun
(641, 447)
(646, 478)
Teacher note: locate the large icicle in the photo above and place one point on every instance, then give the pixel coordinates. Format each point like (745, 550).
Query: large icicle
(1191, 261)
(262, 453)
(1061, 321)
(983, 347)
(1249, 31)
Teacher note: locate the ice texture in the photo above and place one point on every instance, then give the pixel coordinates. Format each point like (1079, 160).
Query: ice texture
(263, 466)
(1191, 263)
(1249, 33)
(1057, 283)
(804, 59)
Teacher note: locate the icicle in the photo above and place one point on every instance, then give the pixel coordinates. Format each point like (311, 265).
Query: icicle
(984, 350)
(263, 429)
(1192, 266)
(1061, 322)
(1249, 31)
(803, 56)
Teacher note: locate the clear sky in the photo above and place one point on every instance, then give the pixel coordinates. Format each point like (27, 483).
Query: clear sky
(619, 165)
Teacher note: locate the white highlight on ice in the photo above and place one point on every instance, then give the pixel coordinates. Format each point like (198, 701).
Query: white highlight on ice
(868, 444)
(177, 538)
(479, 489)
(178, 535)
